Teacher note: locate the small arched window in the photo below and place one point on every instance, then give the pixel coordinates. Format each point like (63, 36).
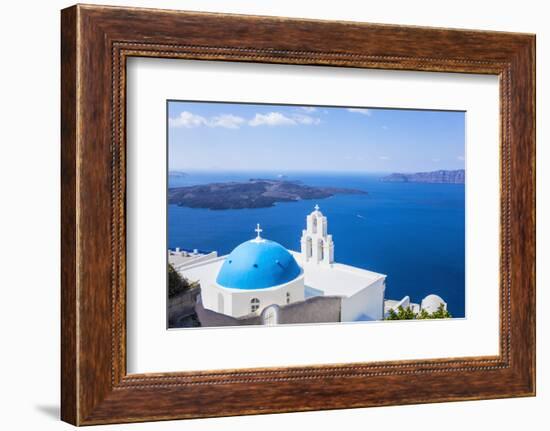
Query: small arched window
(288, 297)
(254, 305)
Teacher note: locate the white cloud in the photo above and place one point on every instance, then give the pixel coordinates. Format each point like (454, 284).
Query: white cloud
(362, 111)
(383, 158)
(271, 119)
(228, 121)
(278, 119)
(384, 127)
(189, 120)
(308, 109)
(460, 157)
(436, 159)
(306, 119)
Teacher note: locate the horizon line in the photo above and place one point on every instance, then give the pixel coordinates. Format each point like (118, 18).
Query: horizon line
(184, 170)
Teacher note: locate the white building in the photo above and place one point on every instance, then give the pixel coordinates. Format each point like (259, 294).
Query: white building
(431, 303)
(316, 244)
(259, 273)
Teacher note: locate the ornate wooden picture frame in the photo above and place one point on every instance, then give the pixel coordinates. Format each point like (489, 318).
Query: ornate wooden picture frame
(96, 41)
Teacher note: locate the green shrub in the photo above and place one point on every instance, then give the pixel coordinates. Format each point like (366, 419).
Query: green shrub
(409, 314)
(176, 283)
(401, 314)
(441, 313)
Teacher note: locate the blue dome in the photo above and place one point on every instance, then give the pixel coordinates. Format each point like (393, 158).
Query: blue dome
(257, 265)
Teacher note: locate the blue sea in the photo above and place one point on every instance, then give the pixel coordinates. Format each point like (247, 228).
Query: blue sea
(414, 233)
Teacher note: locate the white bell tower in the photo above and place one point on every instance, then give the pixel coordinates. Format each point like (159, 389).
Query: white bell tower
(317, 246)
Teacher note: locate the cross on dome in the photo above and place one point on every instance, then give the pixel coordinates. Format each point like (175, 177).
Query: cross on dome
(316, 207)
(258, 230)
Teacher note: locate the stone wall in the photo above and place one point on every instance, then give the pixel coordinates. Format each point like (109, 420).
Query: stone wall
(319, 309)
(182, 305)
(211, 318)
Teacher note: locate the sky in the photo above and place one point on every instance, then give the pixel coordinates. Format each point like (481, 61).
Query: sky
(285, 138)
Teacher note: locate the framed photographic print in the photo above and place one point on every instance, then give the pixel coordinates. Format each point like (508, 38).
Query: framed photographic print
(263, 207)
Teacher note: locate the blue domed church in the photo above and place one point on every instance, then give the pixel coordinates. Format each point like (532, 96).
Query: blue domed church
(257, 273)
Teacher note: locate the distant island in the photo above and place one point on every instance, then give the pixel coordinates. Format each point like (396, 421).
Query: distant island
(177, 174)
(255, 193)
(436, 177)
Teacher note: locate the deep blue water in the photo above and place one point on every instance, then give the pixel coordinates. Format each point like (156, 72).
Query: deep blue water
(412, 232)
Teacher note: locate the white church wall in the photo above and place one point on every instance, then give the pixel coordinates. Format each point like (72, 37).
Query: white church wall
(368, 302)
(209, 294)
(241, 299)
(205, 273)
(241, 304)
(237, 302)
(224, 305)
